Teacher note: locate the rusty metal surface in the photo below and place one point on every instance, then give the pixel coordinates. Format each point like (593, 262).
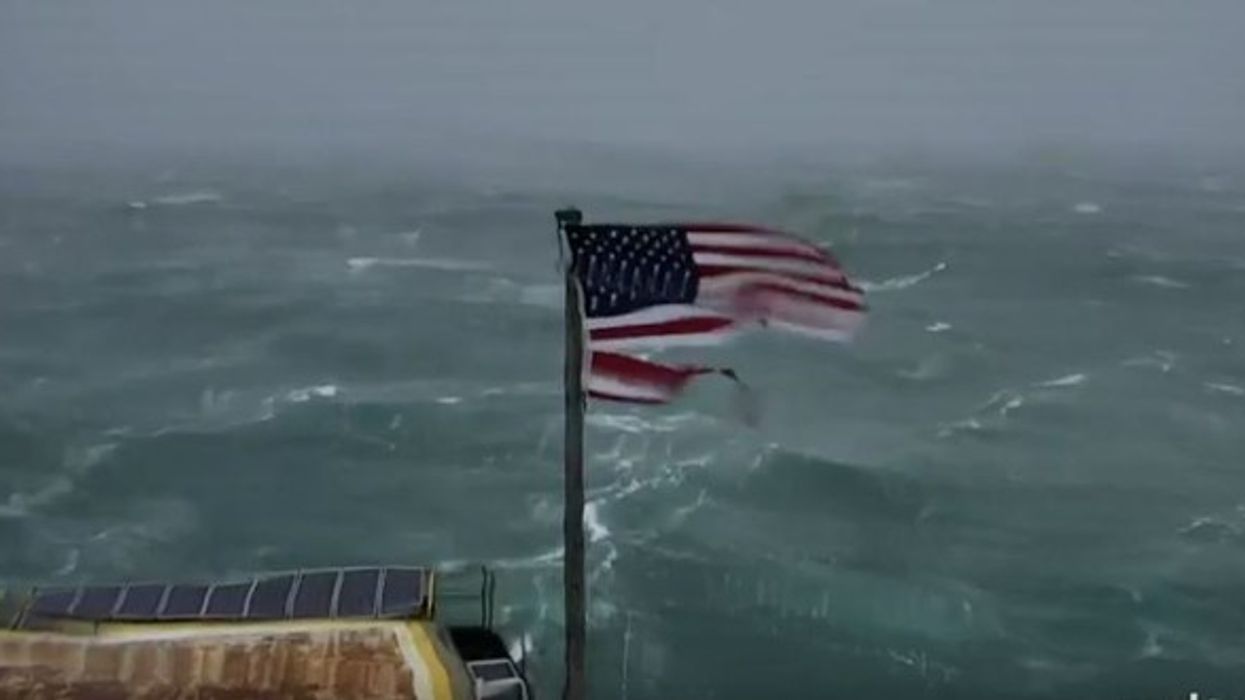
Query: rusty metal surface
(354, 664)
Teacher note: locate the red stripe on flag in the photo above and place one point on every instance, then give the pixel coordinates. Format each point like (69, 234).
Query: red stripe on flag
(702, 227)
(651, 382)
(838, 282)
(756, 292)
(680, 326)
(634, 370)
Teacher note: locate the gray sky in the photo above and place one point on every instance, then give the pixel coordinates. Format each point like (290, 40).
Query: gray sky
(713, 74)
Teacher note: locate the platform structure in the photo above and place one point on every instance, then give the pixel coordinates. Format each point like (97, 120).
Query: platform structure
(367, 632)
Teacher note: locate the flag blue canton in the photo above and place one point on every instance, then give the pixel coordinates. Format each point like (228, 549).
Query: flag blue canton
(627, 268)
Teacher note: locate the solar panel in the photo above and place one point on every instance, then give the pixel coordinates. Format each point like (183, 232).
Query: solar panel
(184, 602)
(141, 602)
(55, 601)
(357, 595)
(356, 592)
(269, 598)
(227, 600)
(315, 595)
(403, 592)
(97, 602)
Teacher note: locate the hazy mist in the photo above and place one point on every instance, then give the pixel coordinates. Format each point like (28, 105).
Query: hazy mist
(723, 76)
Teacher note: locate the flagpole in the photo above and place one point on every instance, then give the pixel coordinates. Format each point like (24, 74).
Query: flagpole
(575, 686)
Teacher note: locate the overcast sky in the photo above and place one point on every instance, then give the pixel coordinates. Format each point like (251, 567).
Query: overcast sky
(704, 73)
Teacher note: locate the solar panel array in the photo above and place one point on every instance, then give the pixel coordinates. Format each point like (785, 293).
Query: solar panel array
(388, 592)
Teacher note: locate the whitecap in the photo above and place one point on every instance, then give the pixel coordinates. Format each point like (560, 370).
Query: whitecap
(898, 283)
(1152, 649)
(71, 562)
(1160, 359)
(446, 264)
(522, 648)
(305, 394)
(1069, 380)
(970, 425)
(449, 400)
(1009, 401)
(1087, 208)
(542, 560)
(178, 199)
(636, 424)
(21, 503)
(592, 523)
(680, 515)
(938, 327)
(76, 462)
(1224, 388)
(1161, 281)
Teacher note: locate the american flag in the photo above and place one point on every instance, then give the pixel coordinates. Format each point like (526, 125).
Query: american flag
(652, 286)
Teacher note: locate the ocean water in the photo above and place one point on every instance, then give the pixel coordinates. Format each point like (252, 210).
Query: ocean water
(1025, 479)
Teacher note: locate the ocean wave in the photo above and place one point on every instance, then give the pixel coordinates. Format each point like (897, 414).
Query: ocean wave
(302, 395)
(968, 425)
(23, 503)
(1005, 401)
(1216, 527)
(1159, 359)
(987, 416)
(1225, 388)
(76, 462)
(595, 529)
(548, 558)
(898, 283)
(1068, 380)
(502, 290)
(178, 199)
(931, 367)
(1087, 208)
(1161, 281)
(446, 264)
(72, 557)
(631, 423)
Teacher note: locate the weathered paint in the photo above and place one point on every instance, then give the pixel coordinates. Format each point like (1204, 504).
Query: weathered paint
(307, 660)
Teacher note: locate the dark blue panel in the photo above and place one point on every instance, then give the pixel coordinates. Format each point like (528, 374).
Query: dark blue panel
(358, 593)
(97, 602)
(227, 600)
(141, 601)
(54, 601)
(184, 602)
(268, 600)
(404, 592)
(315, 595)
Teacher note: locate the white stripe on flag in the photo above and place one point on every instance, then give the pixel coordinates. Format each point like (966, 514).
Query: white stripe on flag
(619, 389)
(724, 285)
(800, 267)
(653, 314)
(750, 240)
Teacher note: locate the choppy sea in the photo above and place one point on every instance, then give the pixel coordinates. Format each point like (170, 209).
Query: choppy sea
(1026, 478)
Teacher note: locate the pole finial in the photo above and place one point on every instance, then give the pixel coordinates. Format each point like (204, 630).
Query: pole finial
(569, 215)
